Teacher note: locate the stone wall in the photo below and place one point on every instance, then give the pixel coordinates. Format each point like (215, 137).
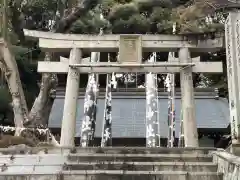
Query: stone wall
(228, 164)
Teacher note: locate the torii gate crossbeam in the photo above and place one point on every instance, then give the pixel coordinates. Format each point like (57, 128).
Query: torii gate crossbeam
(108, 43)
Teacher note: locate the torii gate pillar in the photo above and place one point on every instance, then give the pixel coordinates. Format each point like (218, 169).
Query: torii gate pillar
(233, 70)
(188, 104)
(232, 37)
(70, 104)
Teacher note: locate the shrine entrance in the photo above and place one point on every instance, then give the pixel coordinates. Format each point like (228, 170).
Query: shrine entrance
(130, 48)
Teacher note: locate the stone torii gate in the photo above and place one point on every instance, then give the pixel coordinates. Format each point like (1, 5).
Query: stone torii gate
(130, 49)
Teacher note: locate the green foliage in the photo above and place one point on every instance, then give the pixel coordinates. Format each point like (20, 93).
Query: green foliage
(107, 5)
(38, 13)
(27, 66)
(135, 24)
(123, 11)
(28, 75)
(5, 99)
(150, 5)
(161, 20)
(217, 80)
(200, 17)
(121, 16)
(6, 113)
(89, 24)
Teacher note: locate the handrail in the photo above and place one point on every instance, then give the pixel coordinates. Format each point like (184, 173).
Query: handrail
(227, 157)
(228, 164)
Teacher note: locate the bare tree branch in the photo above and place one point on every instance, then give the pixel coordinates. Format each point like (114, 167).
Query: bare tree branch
(82, 8)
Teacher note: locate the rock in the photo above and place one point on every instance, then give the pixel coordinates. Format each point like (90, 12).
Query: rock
(17, 149)
(8, 140)
(45, 144)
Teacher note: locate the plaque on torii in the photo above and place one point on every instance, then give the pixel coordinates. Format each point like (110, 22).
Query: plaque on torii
(130, 49)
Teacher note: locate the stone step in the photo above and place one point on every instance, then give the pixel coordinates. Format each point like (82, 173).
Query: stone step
(144, 166)
(140, 157)
(133, 150)
(114, 175)
(140, 175)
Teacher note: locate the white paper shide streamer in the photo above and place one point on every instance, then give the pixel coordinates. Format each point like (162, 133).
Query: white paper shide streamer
(170, 84)
(90, 107)
(152, 120)
(90, 103)
(181, 142)
(107, 121)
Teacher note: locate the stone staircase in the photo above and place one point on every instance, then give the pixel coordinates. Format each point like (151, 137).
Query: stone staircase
(112, 164)
(142, 164)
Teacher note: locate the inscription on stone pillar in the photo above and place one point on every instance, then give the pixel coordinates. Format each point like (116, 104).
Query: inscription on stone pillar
(130, 49)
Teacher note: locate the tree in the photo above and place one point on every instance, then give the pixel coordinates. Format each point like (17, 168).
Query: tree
(10, 69)
(6, 113)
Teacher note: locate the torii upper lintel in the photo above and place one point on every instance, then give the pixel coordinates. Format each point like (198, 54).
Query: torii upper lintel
(109, 43)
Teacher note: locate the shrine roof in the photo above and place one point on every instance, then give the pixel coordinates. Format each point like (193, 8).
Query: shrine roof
(128, 113)
(226, 4)
(220, 4)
